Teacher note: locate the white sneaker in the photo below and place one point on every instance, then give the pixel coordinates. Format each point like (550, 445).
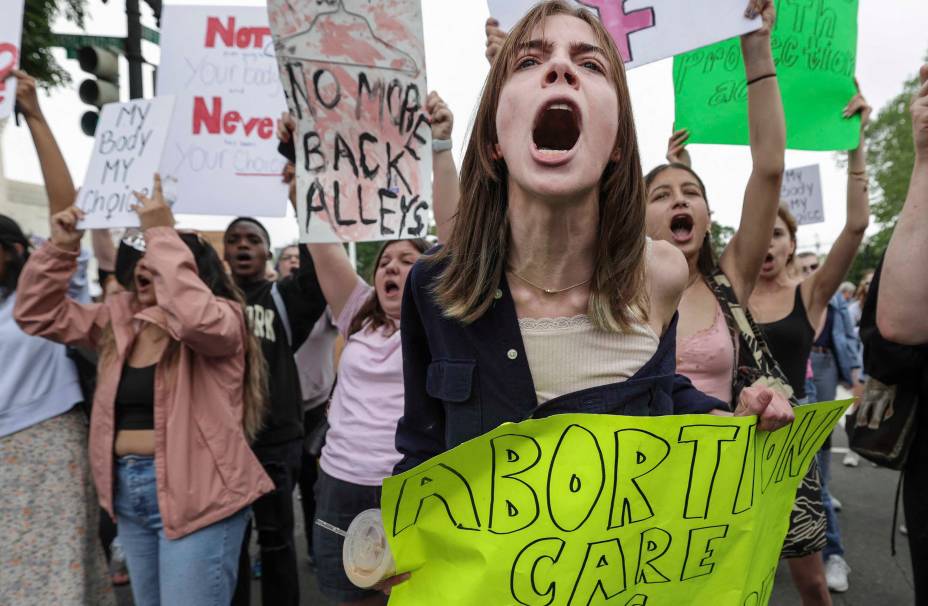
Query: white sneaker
(836, 571)
(851, 459)
(836, 504)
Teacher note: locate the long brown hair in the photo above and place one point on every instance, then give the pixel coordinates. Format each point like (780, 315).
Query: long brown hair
(212, 272)
(708, 259)
(784, 213)
(475, 255)
(371, 313)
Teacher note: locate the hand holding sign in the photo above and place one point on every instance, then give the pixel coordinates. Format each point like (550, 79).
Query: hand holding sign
(768, 14)
(771, 408)
(27, 101)
(153, 211)
(859, 105)
(440, 116)
(920, 117)
(65, 234)
(495, 38)
(676, 148)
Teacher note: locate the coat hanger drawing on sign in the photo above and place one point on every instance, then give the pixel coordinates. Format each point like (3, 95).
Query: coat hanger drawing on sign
(325, 31)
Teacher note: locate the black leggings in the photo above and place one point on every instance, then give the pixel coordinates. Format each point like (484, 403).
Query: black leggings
(915, 502)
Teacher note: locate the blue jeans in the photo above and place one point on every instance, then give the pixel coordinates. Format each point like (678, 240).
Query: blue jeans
(198, 569)
(825, 371)
(833, 545)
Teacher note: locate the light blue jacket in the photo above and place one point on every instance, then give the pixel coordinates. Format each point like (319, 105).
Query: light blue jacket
(845, 342)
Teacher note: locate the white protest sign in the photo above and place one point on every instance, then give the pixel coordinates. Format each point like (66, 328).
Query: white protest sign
(648, 30)
(354, 75)
(11, 27)
(127, 153)
(802, 190)
(218, 61)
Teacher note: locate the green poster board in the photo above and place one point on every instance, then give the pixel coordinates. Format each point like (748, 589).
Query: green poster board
(815, 49)
(593, 509)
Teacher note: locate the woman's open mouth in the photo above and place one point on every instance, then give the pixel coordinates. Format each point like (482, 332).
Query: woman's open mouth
(768, 262)
(681, 226)
(390, 287)
(556, 131)
(142, 282)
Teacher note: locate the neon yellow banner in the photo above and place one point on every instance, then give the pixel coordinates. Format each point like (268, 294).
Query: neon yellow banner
(600, 509)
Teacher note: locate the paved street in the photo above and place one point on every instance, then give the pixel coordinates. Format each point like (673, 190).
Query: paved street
(866, 493)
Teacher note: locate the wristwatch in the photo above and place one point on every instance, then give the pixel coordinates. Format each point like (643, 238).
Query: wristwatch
(441, 145)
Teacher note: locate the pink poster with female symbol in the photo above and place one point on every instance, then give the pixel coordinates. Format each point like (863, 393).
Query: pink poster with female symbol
(11, 27)
(649, 30)
(353, 72)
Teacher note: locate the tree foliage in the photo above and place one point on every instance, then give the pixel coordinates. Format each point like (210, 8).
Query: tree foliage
(36, 50)
(367, 254)
(721, 235)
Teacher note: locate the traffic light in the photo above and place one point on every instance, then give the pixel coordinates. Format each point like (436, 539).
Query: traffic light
(104, 88)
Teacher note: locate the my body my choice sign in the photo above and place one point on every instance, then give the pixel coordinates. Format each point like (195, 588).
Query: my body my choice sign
(595, 509)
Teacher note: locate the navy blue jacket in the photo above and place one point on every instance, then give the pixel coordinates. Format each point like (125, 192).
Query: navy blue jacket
(463, 380)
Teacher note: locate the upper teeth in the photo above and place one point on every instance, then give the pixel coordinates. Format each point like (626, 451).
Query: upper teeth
(561, 106)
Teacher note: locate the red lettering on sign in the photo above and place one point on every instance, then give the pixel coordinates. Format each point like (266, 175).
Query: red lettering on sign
(243, 38)
(215, 121)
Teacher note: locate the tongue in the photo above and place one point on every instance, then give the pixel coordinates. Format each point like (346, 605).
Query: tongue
(681, 232)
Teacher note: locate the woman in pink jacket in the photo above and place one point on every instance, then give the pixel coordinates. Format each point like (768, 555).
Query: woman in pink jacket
(180, 388)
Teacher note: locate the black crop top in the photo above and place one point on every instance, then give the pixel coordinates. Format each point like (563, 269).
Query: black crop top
(790, 341)
(135, 398)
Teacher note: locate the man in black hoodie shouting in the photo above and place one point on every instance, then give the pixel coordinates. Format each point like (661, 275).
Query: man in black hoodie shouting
(281, 314)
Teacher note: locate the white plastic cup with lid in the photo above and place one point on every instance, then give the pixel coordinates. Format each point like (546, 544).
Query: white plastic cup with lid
(366, 554)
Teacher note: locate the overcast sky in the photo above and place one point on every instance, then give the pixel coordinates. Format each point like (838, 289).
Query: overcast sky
(893, 39)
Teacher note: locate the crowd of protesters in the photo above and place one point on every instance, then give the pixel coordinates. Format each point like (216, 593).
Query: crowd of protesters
(203, 388)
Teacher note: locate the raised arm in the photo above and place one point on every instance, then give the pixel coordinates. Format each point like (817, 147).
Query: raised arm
(103, 249)
(445, 187)
(58, 182)
(821, 286)
(303, 298)
(43, 308)
(204, 322)
(744, 255)
(333, 268)
(900, 312)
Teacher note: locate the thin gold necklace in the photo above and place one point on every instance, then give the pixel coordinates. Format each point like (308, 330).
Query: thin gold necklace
(550, 291)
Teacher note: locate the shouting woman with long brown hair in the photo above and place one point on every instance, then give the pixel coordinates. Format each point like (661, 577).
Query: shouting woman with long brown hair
(180, 391)
(548, 297)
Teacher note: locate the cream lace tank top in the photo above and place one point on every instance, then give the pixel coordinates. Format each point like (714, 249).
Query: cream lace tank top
(570, 354)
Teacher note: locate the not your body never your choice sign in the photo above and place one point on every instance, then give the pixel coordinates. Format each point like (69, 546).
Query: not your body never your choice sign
(602, 509)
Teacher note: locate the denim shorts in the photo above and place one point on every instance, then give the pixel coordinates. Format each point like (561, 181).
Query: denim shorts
(337, 503)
